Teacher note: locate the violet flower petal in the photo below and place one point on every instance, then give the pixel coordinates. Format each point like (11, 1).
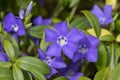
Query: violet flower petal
(58, 63)
(41, 54)
(38, 21)
(93, 41)
(50, 35)
(21, 30)
(92, 55)
(74, 35)
(61, 28)
(54, 50)
(69, 50)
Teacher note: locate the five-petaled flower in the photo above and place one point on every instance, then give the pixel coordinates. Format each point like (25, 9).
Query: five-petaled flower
(87, 48)
(14, 25)
(53, 62)
(72, 72)
(104, 17)
(62, 39)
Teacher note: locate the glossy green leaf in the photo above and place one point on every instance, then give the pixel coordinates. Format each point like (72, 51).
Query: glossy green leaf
(93, 21)
(108, 38)
(73, 2)
(61, 78)
(9, 50)
(80, 23)
(103, 74)
(6, 74)
(43, 44)
(17, 73)
(117, 26)
(36, 31)
(115, 75)
(37, 74)
(102, 57)
(28, 19)
(84, 78)
(28, 62)
(6, 36)
(5, 64)
(23, 3)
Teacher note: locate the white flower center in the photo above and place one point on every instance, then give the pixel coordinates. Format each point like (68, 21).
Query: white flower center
(102, 20)
(62, 41)
(48, 60)
(15, 27)
(82, 49)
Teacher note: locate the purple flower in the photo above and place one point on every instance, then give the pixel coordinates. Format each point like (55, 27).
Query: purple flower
(62, 39)
(21, 13)
(72, 72)
(104, 17)
(29, 8)
(4, 57)
(87, 48)
(13, 24)
(53, 62)
(38, 21)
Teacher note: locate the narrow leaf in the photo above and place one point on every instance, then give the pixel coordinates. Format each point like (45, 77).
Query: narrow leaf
(17, 73)
(93, 22)
(28, 62)
(9, 50)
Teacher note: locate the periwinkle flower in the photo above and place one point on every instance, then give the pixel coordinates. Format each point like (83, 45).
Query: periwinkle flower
(23, 13)
(29, 8)
(72, 72)
(62, 39)
(53, 62)
(105, 16)
(87, 48)
(13, 24)
(4, 57)
(39, 21)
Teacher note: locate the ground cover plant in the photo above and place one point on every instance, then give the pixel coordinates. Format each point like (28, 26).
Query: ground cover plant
(59, 40)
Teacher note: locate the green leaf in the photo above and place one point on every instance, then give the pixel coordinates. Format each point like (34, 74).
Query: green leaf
(6, 74)
(73, 3)
(37, 74)
(5, 64)
(108, 38)
(115, 75)
(117, 51)
(28, 19)
(27, 75)
(28, 62)
(117, 26)
(80, 23)
(9, 50)
(17, 73)
(23, 3)
(84, 78)
(43, 44)
(102, 57)
(93, 21)
(36, 31)
(6, 36)
(103, 74)
(61, 78)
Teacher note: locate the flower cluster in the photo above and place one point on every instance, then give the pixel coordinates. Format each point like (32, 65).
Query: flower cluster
(68, 48)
